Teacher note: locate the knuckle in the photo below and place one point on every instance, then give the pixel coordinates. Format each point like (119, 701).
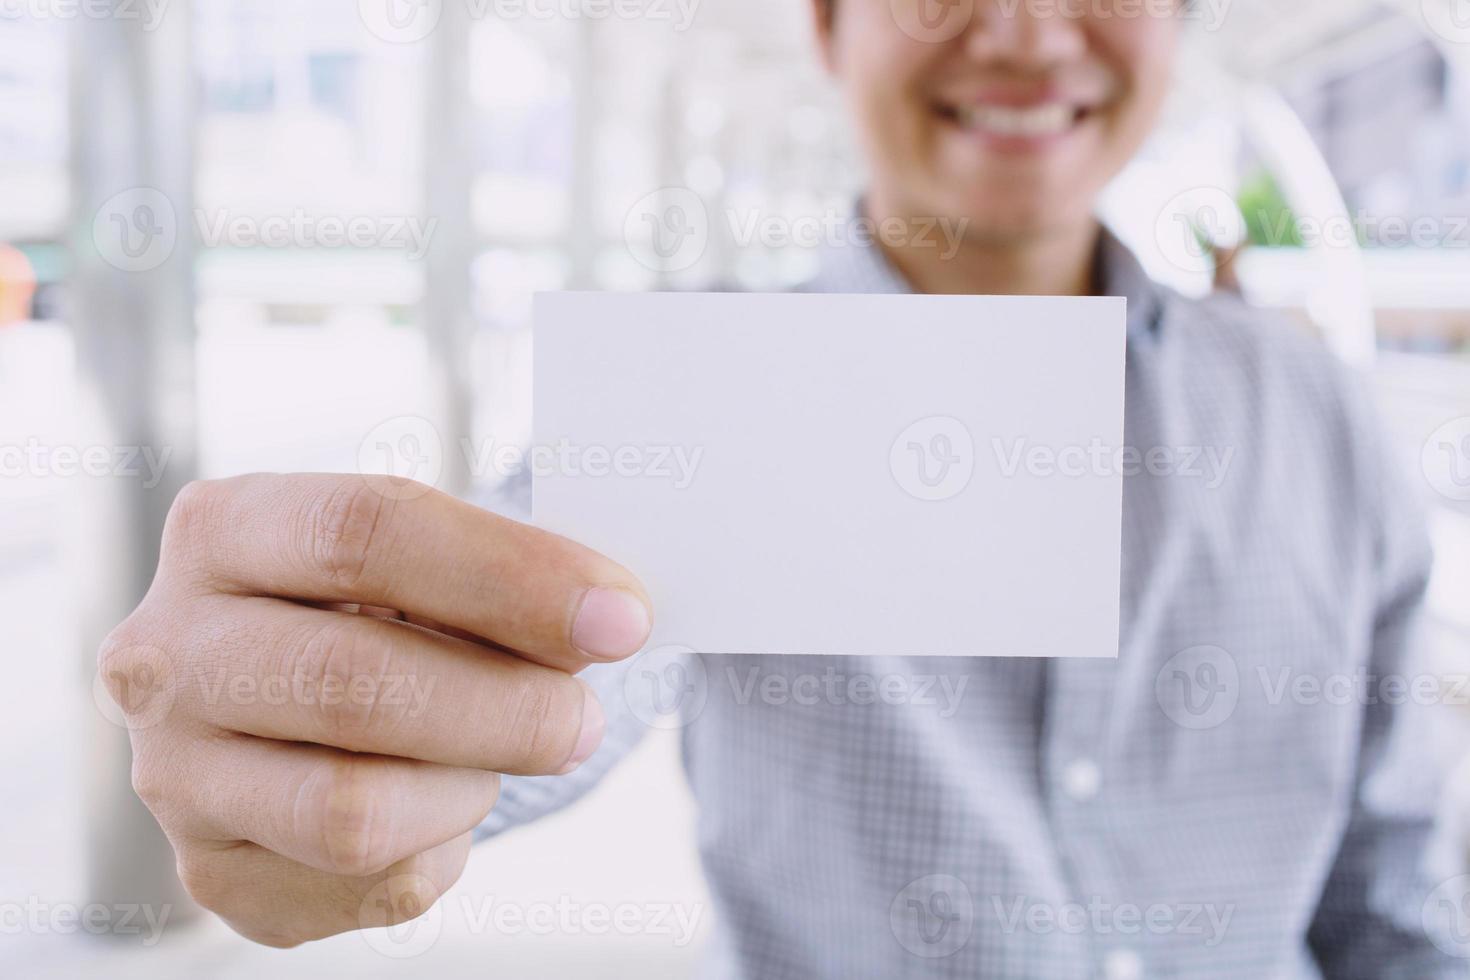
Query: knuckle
(399, 899)
(544, 719)
(344, 531)
(150, 783)
(117, 657)
(137, 672)
(196, 509)
(350, 817)
(159, 780)
(338, 673)
(217, 889)
(204, 879)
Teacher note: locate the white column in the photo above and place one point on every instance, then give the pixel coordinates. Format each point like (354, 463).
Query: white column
(132, 120)
(448, 170)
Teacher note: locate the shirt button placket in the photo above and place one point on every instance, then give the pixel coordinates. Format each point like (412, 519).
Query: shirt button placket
(1078, 700)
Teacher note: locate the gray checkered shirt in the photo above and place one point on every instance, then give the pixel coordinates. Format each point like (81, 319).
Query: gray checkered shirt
(1243, 793)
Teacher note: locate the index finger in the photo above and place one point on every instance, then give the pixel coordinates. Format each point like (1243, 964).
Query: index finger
(334, 538)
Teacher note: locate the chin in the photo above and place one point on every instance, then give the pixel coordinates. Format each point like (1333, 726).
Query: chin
(998, 218)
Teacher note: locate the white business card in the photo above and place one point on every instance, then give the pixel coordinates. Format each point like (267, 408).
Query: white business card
(842, 474)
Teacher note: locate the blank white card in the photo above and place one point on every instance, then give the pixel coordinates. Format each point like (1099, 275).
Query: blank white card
(842, 474)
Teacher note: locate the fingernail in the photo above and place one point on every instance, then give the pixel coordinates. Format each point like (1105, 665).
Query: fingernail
(593, 722)
(612, 624)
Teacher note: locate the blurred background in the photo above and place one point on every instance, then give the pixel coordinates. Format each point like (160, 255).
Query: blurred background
(243, 235)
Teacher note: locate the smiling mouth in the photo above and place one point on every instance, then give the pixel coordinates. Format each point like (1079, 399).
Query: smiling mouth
(1016, 123)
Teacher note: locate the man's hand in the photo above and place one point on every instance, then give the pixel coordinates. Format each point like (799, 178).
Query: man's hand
(324, 681)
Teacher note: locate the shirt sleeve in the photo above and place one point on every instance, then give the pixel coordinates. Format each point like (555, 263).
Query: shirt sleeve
(1371, 921)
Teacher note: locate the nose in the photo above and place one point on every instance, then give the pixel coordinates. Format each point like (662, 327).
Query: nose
(1027, 34)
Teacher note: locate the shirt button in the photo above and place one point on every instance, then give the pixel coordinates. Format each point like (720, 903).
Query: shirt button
(1081, 779)
(1122, 964)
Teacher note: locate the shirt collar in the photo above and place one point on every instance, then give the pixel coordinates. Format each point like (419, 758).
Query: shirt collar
(853, 268)
(1121, 274)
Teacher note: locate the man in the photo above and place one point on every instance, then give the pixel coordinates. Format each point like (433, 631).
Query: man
(1176, 812)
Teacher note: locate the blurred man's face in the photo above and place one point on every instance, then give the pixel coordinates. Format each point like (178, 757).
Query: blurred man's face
(1011, 113)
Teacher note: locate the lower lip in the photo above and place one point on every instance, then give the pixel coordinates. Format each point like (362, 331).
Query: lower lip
(1018, 144)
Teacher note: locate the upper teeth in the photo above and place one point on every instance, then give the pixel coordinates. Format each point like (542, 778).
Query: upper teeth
(1043, 120)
